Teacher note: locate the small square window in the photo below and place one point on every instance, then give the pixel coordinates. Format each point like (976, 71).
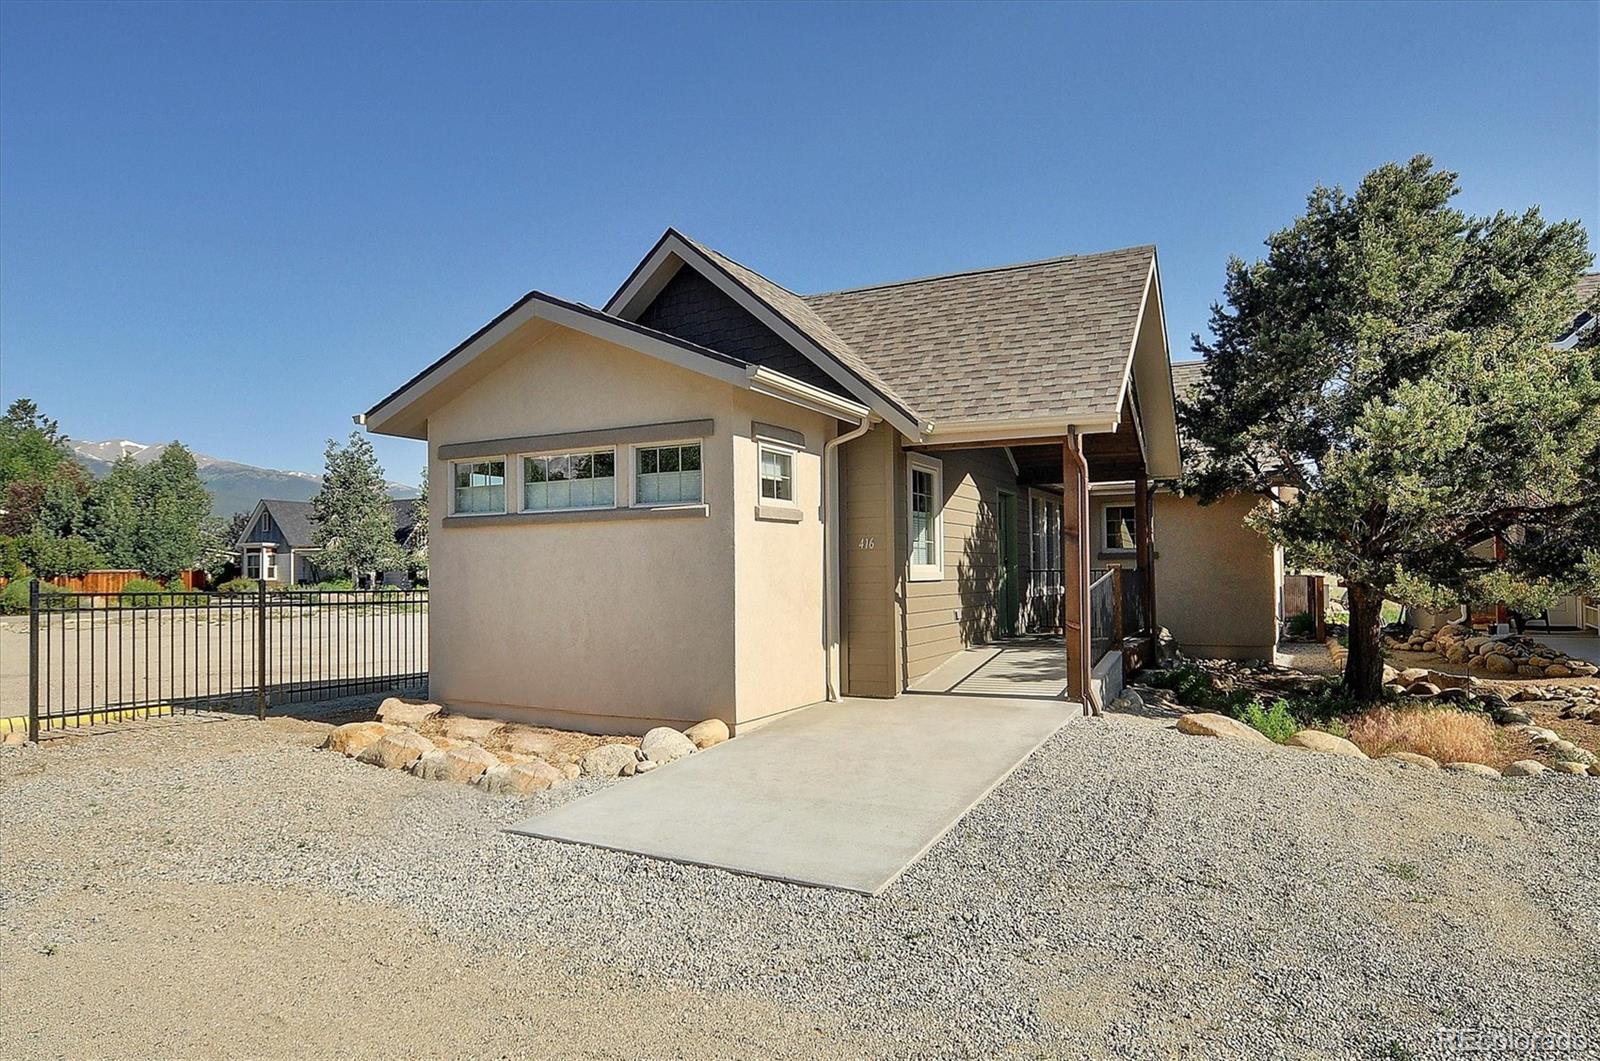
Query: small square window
(667, 475)
(1119, 528)
(777, 473)
(480, 487)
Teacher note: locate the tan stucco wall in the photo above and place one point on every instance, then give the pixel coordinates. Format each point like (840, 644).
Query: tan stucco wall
(621, 625)
(1217, 581)
(778, 619)
(942, 618)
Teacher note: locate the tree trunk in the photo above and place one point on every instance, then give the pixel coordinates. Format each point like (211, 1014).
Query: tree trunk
(1363, 667)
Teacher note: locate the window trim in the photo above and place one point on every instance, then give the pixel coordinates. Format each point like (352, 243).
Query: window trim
(522, 483)
(633, 472)
(934, 572)
(784, 450)
(505, 481)
(269, 565)
(1105, 529)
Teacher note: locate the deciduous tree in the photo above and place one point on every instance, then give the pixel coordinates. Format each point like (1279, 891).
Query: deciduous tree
(354, 525)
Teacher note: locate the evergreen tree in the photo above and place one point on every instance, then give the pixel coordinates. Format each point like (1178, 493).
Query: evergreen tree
(354, 526)
(1391, 361)
(417, 537)
(32, 447)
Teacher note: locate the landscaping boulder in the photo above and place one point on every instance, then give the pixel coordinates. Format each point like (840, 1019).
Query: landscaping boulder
(519, 779)
(407, 712)
(644, 766)
(1453, 696)
(523, 741)
(1394, 689)
(1525, 768)
(1581, 668)
(1571, 768)
(1318, 741)
(1413, 674)
(712, 731)
(474, 729)
(1413, 759)
(665, 745)
(1478, 769)
(1207, 724)
(454, 764)
(1422, 689)
(1557, 670)
(396, 751)
(1499, 665)
(353, 738)
(609, 760)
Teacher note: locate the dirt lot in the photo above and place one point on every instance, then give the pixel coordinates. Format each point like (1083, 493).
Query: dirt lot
(190, 888)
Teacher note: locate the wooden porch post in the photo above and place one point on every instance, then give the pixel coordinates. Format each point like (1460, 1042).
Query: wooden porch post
(1145, 555)
(1075, 573)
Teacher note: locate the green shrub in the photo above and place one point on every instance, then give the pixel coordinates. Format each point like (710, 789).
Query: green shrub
(239, 585)
(1302, 624)
(335, 583)
(140, 586)
(1274, 722)
(14, 598)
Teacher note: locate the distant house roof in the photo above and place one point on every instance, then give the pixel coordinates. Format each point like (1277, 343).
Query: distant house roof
(1588, 290)
(1043, 338)
(295, 523)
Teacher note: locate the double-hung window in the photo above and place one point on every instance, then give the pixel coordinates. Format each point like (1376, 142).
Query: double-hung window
(480, 486)
(269, 565)
(1119, 529)
(925, 517)
(586, 479)
(667, 475)
(777, 473)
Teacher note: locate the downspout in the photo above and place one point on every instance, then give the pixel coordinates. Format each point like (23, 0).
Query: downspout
(831, 554)
(1091, 703)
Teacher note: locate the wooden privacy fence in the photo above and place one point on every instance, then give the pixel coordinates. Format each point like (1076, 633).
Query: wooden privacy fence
(112, 580)
(1307, 594)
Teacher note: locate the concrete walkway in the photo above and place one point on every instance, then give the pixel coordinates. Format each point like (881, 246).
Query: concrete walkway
(1019, 667)
(1580, 646)
(844, 795)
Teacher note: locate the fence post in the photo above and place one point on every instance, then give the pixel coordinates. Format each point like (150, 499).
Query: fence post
(33, 660)
(1117, 631)
(261, 650)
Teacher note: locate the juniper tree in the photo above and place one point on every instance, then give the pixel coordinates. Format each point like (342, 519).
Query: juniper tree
(173, 504)
(1391, 361)
(354, 525)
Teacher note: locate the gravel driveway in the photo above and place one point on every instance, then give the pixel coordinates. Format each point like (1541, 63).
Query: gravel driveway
(1128, 892)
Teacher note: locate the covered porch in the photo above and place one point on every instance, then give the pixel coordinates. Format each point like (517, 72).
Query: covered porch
(1085, 615)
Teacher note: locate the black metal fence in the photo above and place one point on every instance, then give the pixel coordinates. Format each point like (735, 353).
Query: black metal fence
(98, 659)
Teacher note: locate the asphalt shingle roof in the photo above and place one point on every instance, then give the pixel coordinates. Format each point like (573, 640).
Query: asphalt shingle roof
(1042, 338)
(294, 520)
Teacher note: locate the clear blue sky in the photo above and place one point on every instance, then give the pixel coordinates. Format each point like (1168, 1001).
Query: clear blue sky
(237, 225)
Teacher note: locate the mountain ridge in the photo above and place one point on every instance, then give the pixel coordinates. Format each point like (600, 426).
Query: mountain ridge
(234, 486)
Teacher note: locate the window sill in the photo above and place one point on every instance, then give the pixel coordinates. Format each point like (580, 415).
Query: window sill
(580, 515)
(779, 513)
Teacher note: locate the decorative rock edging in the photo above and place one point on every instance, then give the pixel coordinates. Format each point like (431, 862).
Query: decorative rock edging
(531, 764)
(1499, 654)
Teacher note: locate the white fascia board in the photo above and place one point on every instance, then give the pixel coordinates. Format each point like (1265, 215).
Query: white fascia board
(764, 380)
(1017, 427)
(672, 245)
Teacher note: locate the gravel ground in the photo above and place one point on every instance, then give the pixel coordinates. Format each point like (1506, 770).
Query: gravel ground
(1127, 892)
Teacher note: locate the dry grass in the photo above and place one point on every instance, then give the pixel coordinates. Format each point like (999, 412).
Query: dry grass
(1443, 734)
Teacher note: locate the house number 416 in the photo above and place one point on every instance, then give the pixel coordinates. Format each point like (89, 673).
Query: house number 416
(867, 543)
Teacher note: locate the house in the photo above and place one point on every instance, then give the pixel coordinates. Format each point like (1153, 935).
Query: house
(716, 497)
(278, 543)
(1221, 582)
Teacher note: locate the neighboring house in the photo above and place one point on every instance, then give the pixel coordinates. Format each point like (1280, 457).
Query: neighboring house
(279, 542)
(716, 497)
(1221, 583)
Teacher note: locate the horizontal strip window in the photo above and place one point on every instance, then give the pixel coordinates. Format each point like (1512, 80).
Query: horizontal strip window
(480, 486)
(667, 475)
(556, 481)
(568, 441)
(580, 515)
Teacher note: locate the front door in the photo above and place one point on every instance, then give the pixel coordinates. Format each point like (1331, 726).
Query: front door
(1006, 530)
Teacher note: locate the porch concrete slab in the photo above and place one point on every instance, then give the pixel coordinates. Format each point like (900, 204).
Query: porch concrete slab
(1022, 667)
(844, 795)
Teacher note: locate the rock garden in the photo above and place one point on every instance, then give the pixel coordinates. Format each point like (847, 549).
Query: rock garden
(1429, 719)
(505, 758)
(1493, 654)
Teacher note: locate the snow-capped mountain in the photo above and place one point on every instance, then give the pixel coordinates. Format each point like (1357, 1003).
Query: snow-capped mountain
(234, 487)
